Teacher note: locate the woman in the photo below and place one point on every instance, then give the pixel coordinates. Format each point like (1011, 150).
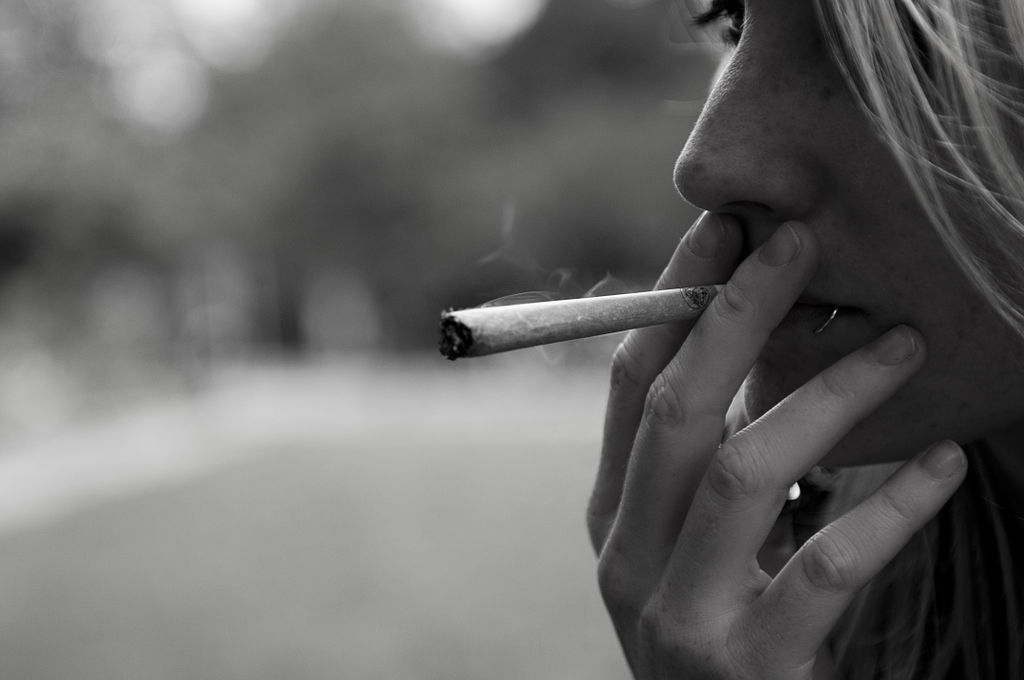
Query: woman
(860, 165)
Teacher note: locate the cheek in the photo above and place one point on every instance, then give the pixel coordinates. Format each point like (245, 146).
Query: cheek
(971, 383)
(936, 404)
(912, 418)
(906, 424)
(975, 373)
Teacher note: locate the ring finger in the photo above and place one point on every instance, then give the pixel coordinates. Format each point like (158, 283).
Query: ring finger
(746, 483)
(685, 410)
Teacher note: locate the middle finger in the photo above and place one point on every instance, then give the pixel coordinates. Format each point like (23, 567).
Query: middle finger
(745, 485)
(685, 410)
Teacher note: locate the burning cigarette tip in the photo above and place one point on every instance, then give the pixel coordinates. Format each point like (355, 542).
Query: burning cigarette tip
(456, 337)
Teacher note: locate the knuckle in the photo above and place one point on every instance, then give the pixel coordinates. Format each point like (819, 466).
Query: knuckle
(627, 374)
(899, 508)
(615, 581)
(598, 525)
(650, 623)
(660, 629)
(657, 629)
(735, 474)
(684, 641)
(828, 566)
(837, 385)
(664, 404)
(734, 303)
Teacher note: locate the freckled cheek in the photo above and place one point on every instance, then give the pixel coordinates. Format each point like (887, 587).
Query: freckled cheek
(967, 384)
(958, 325)
(949, 332)
(928, 407)
(922, 289)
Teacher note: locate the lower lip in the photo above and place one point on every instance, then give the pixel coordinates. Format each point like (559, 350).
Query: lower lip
(811, 316)
(807, 341)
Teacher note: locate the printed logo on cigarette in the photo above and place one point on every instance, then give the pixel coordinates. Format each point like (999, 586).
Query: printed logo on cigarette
(696, 297)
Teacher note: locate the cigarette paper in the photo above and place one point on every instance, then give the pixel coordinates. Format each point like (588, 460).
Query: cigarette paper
(488, 330)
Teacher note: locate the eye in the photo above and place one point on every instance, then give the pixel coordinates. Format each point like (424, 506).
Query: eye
(725, 13)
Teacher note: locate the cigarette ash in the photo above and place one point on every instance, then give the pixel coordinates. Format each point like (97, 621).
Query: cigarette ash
(456, 337)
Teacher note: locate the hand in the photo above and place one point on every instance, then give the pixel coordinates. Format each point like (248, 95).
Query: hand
(678, 515)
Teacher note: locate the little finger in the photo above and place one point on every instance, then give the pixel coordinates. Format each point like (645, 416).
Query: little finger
(804, 602)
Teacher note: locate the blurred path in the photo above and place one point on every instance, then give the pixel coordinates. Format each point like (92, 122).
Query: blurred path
(401, 520)
(246, 412)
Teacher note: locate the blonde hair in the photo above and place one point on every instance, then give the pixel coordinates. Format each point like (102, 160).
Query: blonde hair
(943, 83)
(949, 605)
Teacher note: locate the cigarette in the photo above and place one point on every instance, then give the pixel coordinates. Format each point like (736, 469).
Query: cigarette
(480, 331)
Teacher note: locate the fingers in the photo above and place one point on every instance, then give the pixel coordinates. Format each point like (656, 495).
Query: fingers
(806, 599)
(685, 410)
(707, 254)
(746, 482)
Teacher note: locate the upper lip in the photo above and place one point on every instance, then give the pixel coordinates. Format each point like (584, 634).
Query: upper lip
(809, 297)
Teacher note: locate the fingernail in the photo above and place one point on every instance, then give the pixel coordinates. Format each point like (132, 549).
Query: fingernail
(895, 346)
(943, 460)
(781, 248)
(705, 237)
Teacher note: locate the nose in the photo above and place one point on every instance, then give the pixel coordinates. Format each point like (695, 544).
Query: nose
(754, 150)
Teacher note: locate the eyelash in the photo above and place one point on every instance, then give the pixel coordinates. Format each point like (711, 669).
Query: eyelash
(718, 12)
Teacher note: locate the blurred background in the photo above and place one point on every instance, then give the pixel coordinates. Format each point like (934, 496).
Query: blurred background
(227, 227)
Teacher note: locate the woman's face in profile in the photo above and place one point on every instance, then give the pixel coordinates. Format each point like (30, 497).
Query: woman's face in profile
(781, 139)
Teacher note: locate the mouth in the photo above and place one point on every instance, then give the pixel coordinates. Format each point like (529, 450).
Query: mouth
(816, 316)
(807, 340)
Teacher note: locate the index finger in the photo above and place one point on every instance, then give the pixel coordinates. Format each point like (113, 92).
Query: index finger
(707, 254)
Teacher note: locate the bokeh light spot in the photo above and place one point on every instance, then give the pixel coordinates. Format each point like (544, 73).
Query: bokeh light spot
(472, 26)
(167, 91)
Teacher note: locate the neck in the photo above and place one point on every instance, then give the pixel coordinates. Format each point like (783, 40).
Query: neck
(1005, 466)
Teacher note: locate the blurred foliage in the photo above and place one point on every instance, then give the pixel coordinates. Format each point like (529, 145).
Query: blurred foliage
(340, 192)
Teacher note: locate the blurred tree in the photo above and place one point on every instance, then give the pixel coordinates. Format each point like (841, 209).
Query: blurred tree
(421, 178)
(580, 45)
(358, 146)
(605, 95)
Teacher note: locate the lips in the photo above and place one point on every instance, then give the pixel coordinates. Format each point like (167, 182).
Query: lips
(805, 342)
(814, 315)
